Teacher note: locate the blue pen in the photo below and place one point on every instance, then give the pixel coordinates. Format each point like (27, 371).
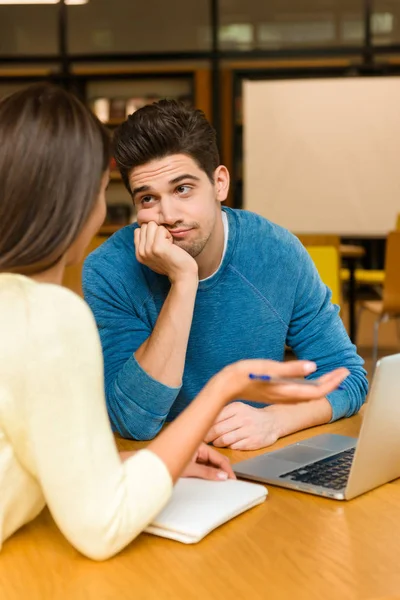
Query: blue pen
(288, 380)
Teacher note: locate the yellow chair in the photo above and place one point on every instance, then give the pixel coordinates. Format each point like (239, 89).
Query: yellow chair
(324, 250)
(389, 306)
(327, 261)
(73, 275)
(364, 276)
(368, 276)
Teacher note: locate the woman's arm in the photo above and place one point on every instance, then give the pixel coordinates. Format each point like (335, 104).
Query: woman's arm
(176, 444)
(99, 502)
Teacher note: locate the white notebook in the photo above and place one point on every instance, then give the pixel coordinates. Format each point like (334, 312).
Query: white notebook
(198, 506)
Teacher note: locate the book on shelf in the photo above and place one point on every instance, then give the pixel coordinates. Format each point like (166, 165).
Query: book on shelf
(118, 214)
(117, 109)
(101, 108)
(113, 111)
(133, 104)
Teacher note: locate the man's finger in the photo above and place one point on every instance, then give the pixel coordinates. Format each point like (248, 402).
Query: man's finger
(221, 428)
(230, 410)
(136, 239)
(211, 436)
(162, 234)
(241, 445)
(136, 236)
(227, 439)
(150, 236)
(142, 240)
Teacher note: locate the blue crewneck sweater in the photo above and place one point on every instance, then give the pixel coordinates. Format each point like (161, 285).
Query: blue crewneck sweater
(265, 293)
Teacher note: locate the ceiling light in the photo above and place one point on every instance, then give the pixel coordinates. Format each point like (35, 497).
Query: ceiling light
(42, 1)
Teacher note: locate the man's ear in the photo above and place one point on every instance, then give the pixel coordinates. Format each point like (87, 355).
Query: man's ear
(221, 182)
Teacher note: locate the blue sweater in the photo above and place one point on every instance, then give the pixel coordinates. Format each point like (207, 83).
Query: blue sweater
(266, 293)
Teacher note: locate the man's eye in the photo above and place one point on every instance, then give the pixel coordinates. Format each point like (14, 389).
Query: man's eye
(146, 199)
(183, 189)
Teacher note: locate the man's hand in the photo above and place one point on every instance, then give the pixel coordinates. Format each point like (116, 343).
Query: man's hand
(155, 248)
(242, 427)
(207, 463)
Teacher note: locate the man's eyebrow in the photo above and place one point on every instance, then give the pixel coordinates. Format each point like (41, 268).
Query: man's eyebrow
(147, 188)
(182, 177)
(138, 190)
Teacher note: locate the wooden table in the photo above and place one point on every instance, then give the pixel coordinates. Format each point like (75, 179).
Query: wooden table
(294, 546)
(352, 253)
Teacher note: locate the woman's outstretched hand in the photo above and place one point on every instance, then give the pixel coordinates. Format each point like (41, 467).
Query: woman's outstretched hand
(246, 388)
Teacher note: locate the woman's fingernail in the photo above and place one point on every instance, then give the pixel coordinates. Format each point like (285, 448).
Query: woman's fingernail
(222, 475)
(310, 367)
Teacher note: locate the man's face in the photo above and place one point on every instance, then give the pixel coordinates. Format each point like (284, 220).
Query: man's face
(174, 192)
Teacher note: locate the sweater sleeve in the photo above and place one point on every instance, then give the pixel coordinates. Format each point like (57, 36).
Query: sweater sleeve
(316, 332)
(99, 503)
(138, 405)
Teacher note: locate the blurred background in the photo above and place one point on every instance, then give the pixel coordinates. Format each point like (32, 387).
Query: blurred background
(299, 91)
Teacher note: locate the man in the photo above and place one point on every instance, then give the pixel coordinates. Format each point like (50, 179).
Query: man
(191, 288)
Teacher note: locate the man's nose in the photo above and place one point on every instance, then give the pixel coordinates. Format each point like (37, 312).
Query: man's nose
(169, 212)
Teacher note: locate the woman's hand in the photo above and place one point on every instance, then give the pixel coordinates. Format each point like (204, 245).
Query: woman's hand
(207, 463)
(176, 443)
(242, 386)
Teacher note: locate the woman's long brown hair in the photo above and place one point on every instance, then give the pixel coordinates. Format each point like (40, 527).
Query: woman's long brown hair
(53, 153)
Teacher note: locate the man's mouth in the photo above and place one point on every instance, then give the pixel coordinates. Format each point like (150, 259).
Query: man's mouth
(179, 233)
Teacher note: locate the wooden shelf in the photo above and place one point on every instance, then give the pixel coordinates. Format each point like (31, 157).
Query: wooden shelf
(391, 60)
(115, 176)
(24, 72)
(145, 69)
(256, 64)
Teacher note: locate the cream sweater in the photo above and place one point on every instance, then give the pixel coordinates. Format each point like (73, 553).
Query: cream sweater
(56, 444)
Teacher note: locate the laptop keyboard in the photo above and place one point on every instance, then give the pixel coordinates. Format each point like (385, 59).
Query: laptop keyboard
(332, 472)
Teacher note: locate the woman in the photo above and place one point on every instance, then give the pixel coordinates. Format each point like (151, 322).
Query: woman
(56, 445)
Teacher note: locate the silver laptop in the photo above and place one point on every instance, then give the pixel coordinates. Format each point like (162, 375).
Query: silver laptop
(338, 466)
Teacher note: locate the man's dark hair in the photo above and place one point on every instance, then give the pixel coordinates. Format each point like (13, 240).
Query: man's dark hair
(161, 129)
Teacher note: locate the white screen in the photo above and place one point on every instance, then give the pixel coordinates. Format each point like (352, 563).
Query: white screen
(323, 155)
